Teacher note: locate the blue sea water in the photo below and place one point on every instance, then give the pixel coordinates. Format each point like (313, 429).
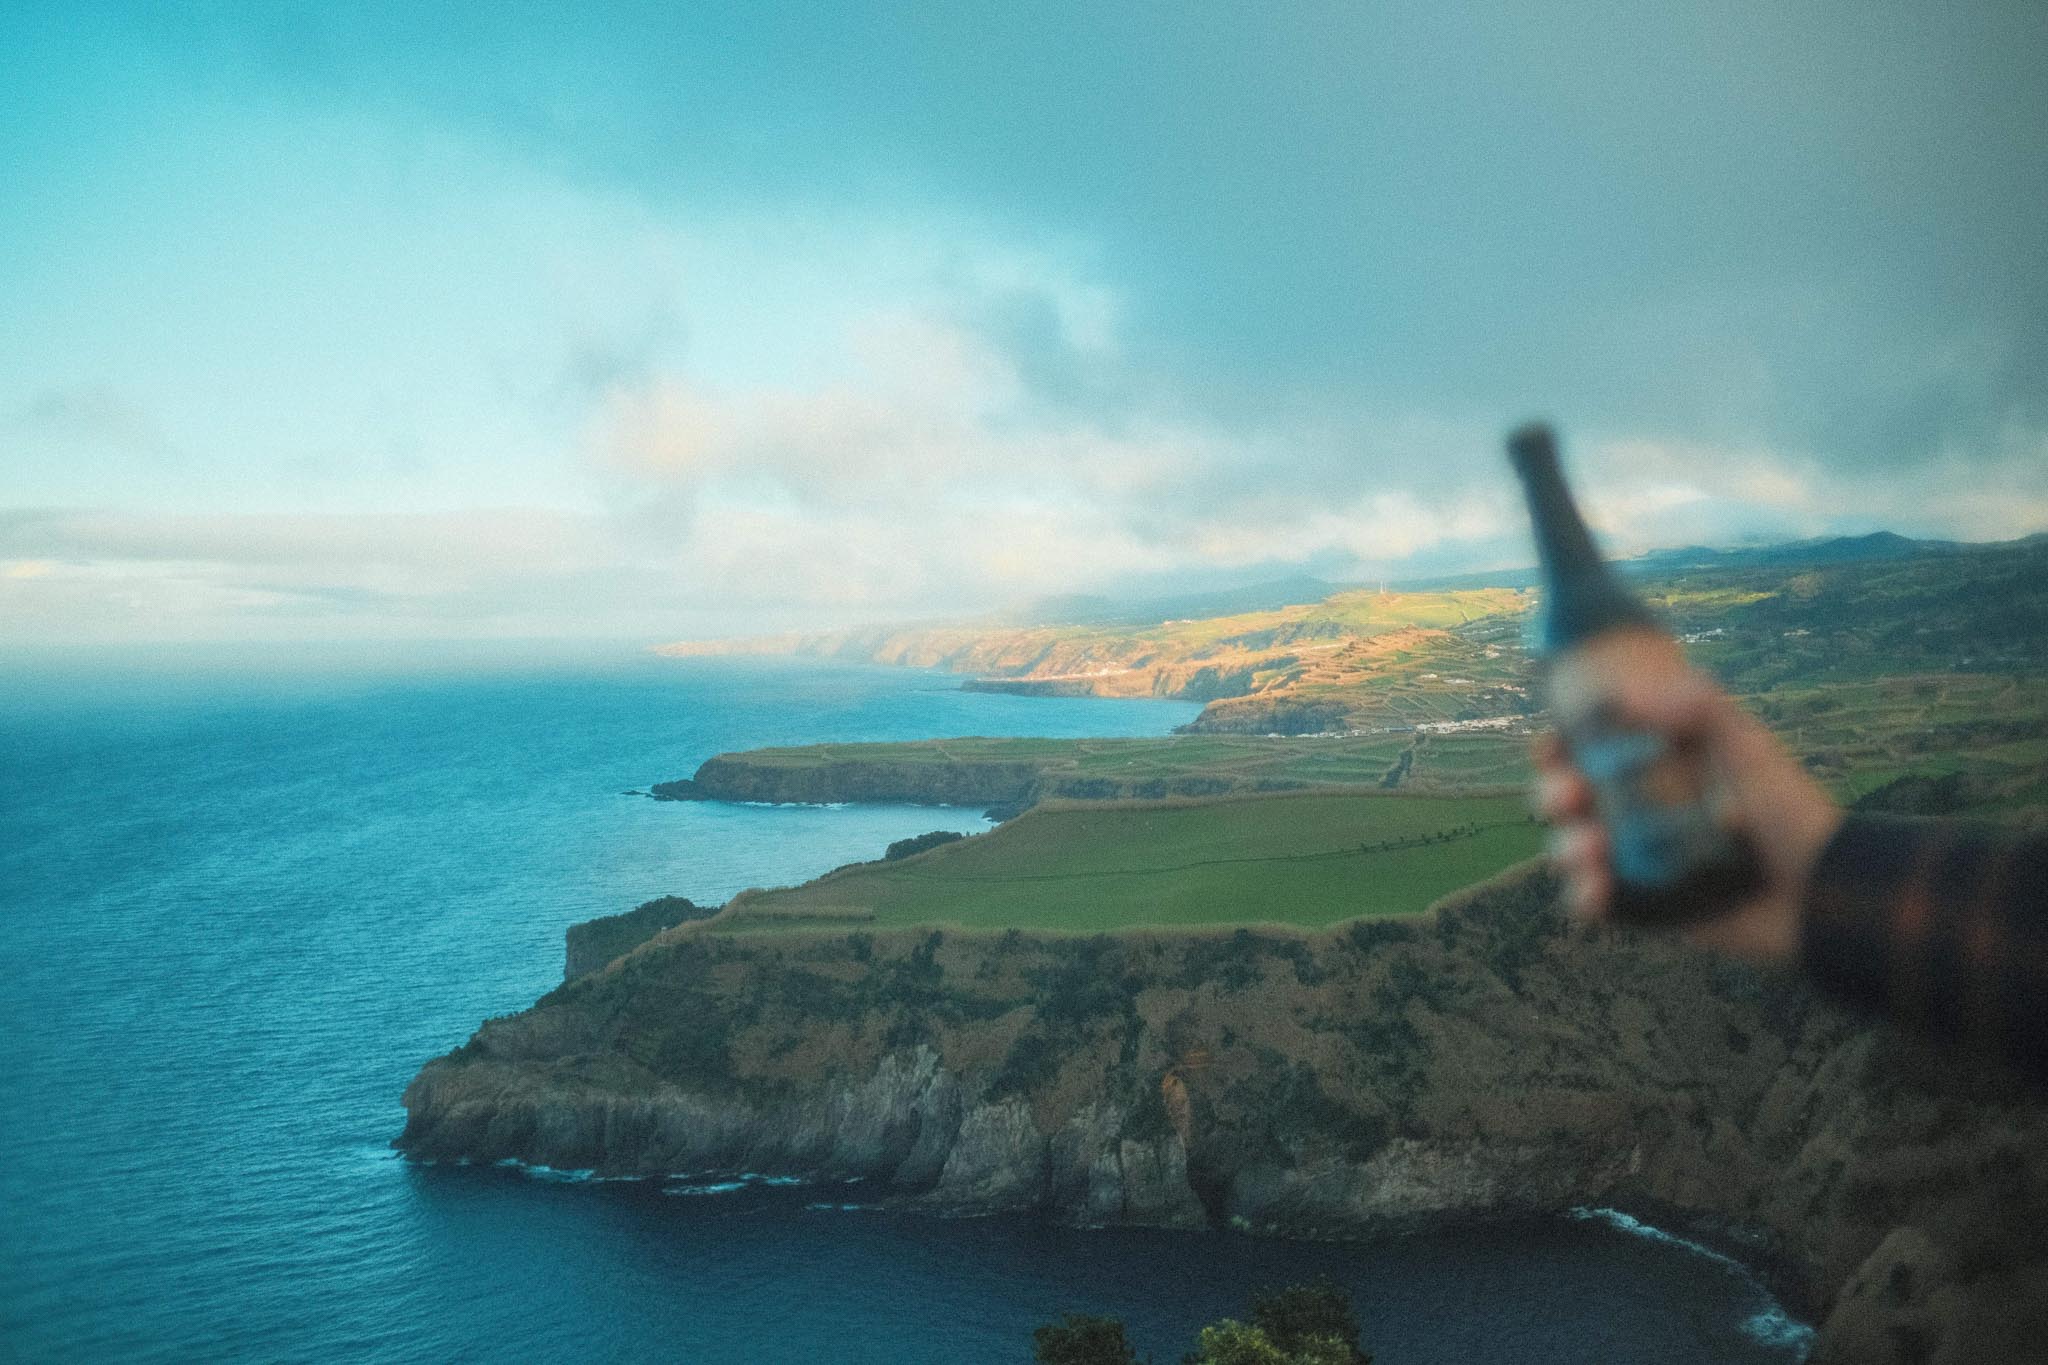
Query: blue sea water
(235, 917)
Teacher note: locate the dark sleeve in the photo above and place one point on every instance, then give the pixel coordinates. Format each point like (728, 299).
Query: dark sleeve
(1939, 924)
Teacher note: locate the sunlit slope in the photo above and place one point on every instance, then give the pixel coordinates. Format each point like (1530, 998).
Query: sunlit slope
(1307, 859)
(1339, 645)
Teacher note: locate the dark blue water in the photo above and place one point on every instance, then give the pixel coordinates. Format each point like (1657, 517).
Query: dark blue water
(234, 919)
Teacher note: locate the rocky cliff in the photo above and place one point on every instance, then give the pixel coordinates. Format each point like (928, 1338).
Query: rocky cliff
(747, 777)
(762, 776)
(1469, 1062)
(593, 943)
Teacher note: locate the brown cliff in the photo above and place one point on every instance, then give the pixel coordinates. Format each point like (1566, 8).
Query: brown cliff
(1468, 1063)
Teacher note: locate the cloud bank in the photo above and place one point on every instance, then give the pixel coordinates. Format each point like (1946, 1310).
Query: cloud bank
(659, 324)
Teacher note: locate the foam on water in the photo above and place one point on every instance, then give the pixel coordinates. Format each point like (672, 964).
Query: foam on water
(715, 1187)
(1771, 1326)
(697, 1183)
(1635, 1227)
(556, 1176)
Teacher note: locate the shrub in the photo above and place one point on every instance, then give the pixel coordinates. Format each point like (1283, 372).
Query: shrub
(916, 844)
(1078, 1339)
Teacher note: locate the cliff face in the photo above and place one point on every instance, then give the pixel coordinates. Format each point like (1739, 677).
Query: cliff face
(1011, 786)
(737, 777)
(1467, 1063)
(595, 942)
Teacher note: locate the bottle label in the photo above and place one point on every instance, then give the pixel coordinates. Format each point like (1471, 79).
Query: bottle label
(1661, 825)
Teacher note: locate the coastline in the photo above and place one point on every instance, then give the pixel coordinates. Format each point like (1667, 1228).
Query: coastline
(1763, 1124)
(1477, 1062)
(1081, 1142)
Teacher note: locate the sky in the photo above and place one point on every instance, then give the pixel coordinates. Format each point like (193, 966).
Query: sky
(645, 322)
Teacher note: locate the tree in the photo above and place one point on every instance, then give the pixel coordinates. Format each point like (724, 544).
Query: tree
(1301, 1314)
(1078, 1339)
(1231, 1342)
(1303, 1324)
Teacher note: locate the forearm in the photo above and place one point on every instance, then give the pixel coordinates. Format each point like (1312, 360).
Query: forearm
(1938, 924)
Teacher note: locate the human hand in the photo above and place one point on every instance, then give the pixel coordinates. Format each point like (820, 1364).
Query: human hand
(1767, 796)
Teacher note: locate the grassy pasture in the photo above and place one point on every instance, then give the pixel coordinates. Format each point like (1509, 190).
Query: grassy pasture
(1304, 859)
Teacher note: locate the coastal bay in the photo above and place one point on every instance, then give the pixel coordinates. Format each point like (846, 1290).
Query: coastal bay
(224, 978)
(1135, 1003)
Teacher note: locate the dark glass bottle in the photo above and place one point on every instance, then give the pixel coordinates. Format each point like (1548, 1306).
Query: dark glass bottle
(1673, 856)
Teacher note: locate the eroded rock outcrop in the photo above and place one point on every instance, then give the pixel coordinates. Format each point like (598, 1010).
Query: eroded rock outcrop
(1475, 1061)
(767, 776)
(751, 777)
(595, 942)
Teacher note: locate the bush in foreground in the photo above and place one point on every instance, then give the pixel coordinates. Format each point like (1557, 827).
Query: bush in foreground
(1078, 1339)
(1303, 1324)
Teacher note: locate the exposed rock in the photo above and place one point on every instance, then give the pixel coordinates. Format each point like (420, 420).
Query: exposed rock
(1034, 687)
(682, 789)
(998, 1160)
(595, 942)
(1005, 788)
(738, 777)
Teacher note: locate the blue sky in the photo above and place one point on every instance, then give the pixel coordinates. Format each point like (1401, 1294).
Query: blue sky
(417, 322)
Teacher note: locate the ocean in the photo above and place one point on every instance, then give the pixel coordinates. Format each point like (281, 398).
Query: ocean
(237, 913)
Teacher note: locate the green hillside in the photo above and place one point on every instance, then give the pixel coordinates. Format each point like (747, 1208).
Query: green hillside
(1310, 860)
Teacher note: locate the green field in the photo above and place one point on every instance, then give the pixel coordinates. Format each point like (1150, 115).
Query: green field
(1310, 860)
(1912, 685)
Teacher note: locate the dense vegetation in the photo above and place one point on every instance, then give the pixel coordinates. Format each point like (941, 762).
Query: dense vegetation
(919, 843)
(1303, 1324)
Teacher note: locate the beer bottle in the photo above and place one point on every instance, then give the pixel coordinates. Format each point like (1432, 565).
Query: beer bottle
(1674, 857)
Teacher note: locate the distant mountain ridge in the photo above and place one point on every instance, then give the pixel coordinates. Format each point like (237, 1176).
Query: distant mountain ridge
(1820, 550)
(1101, 609)
(1300, 655)
(1801, 553)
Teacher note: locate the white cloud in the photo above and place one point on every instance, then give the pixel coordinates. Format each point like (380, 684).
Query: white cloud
(714, 418)
(929, 476)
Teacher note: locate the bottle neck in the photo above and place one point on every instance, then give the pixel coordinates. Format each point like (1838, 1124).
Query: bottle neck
(1582, 596)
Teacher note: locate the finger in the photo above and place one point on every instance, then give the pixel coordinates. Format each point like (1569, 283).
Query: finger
(1578, 844)
(1560, 791)
(1579, 852)
(1563, 794)
(1589, 894)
